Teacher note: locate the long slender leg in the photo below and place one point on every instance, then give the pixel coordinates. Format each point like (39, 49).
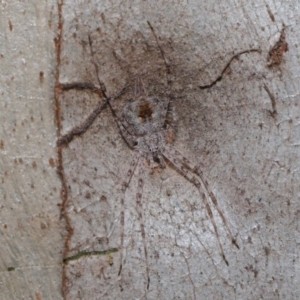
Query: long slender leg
(190, 177)
(126, 133)
(78, 130)
(185, 161)
(158, 159)
(168, 71)
(139, 88)
(139, 207)
(125, 185)
(161, 160)
(121, 122)
(101, 83)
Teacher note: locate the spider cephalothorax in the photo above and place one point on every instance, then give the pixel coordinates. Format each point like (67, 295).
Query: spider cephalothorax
(144, 118)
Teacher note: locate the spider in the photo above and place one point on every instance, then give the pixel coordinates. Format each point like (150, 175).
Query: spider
(147, 130)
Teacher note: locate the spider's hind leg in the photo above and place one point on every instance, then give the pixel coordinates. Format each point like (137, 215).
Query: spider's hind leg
(139, 207)
(141, 162)
(206, 188)
(180, 163)
(125, 185)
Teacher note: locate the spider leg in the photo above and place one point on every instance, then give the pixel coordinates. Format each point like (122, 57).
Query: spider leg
(127, 135)
(161, 160)
(126, 131)
(121, 122)
(158, 158)
(168, 71)
(139, 207)
(191, 178)
(80, 129)
(125, 185)
(150, 160)
(101, 83)
(205, 186)
(139, 88)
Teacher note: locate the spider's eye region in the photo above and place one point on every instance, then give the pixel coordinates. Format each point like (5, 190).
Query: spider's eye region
(145, 112)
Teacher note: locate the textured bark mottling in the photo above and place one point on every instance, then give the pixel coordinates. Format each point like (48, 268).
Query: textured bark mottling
(234, 71)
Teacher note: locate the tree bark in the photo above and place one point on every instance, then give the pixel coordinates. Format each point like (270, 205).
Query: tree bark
(232, 72)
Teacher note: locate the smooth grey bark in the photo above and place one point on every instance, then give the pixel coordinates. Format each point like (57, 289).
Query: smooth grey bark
(31, 231)
(242, 133)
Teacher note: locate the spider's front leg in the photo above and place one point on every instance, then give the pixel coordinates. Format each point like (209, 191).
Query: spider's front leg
(127, 135)
(168, 72)
(81, 128)
(100, 91)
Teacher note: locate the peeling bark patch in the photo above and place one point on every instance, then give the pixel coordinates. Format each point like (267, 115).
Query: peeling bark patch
(1, 145)
(276, 53)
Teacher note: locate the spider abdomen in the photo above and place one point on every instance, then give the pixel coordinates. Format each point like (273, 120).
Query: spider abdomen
(151, 143)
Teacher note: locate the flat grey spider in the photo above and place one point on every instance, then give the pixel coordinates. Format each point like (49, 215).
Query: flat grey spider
(147, 129)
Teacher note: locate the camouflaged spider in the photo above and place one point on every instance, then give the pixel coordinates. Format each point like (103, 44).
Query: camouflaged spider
(147, 130)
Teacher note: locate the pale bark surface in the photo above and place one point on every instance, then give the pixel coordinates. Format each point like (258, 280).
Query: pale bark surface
(242, 133)
(31, 232)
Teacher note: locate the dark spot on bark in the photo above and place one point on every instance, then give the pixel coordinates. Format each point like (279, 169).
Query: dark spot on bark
(52, 162)
(41, 76)
(10, 25)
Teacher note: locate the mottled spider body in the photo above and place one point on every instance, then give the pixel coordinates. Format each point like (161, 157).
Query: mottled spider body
(145, 115)
(144, 118)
